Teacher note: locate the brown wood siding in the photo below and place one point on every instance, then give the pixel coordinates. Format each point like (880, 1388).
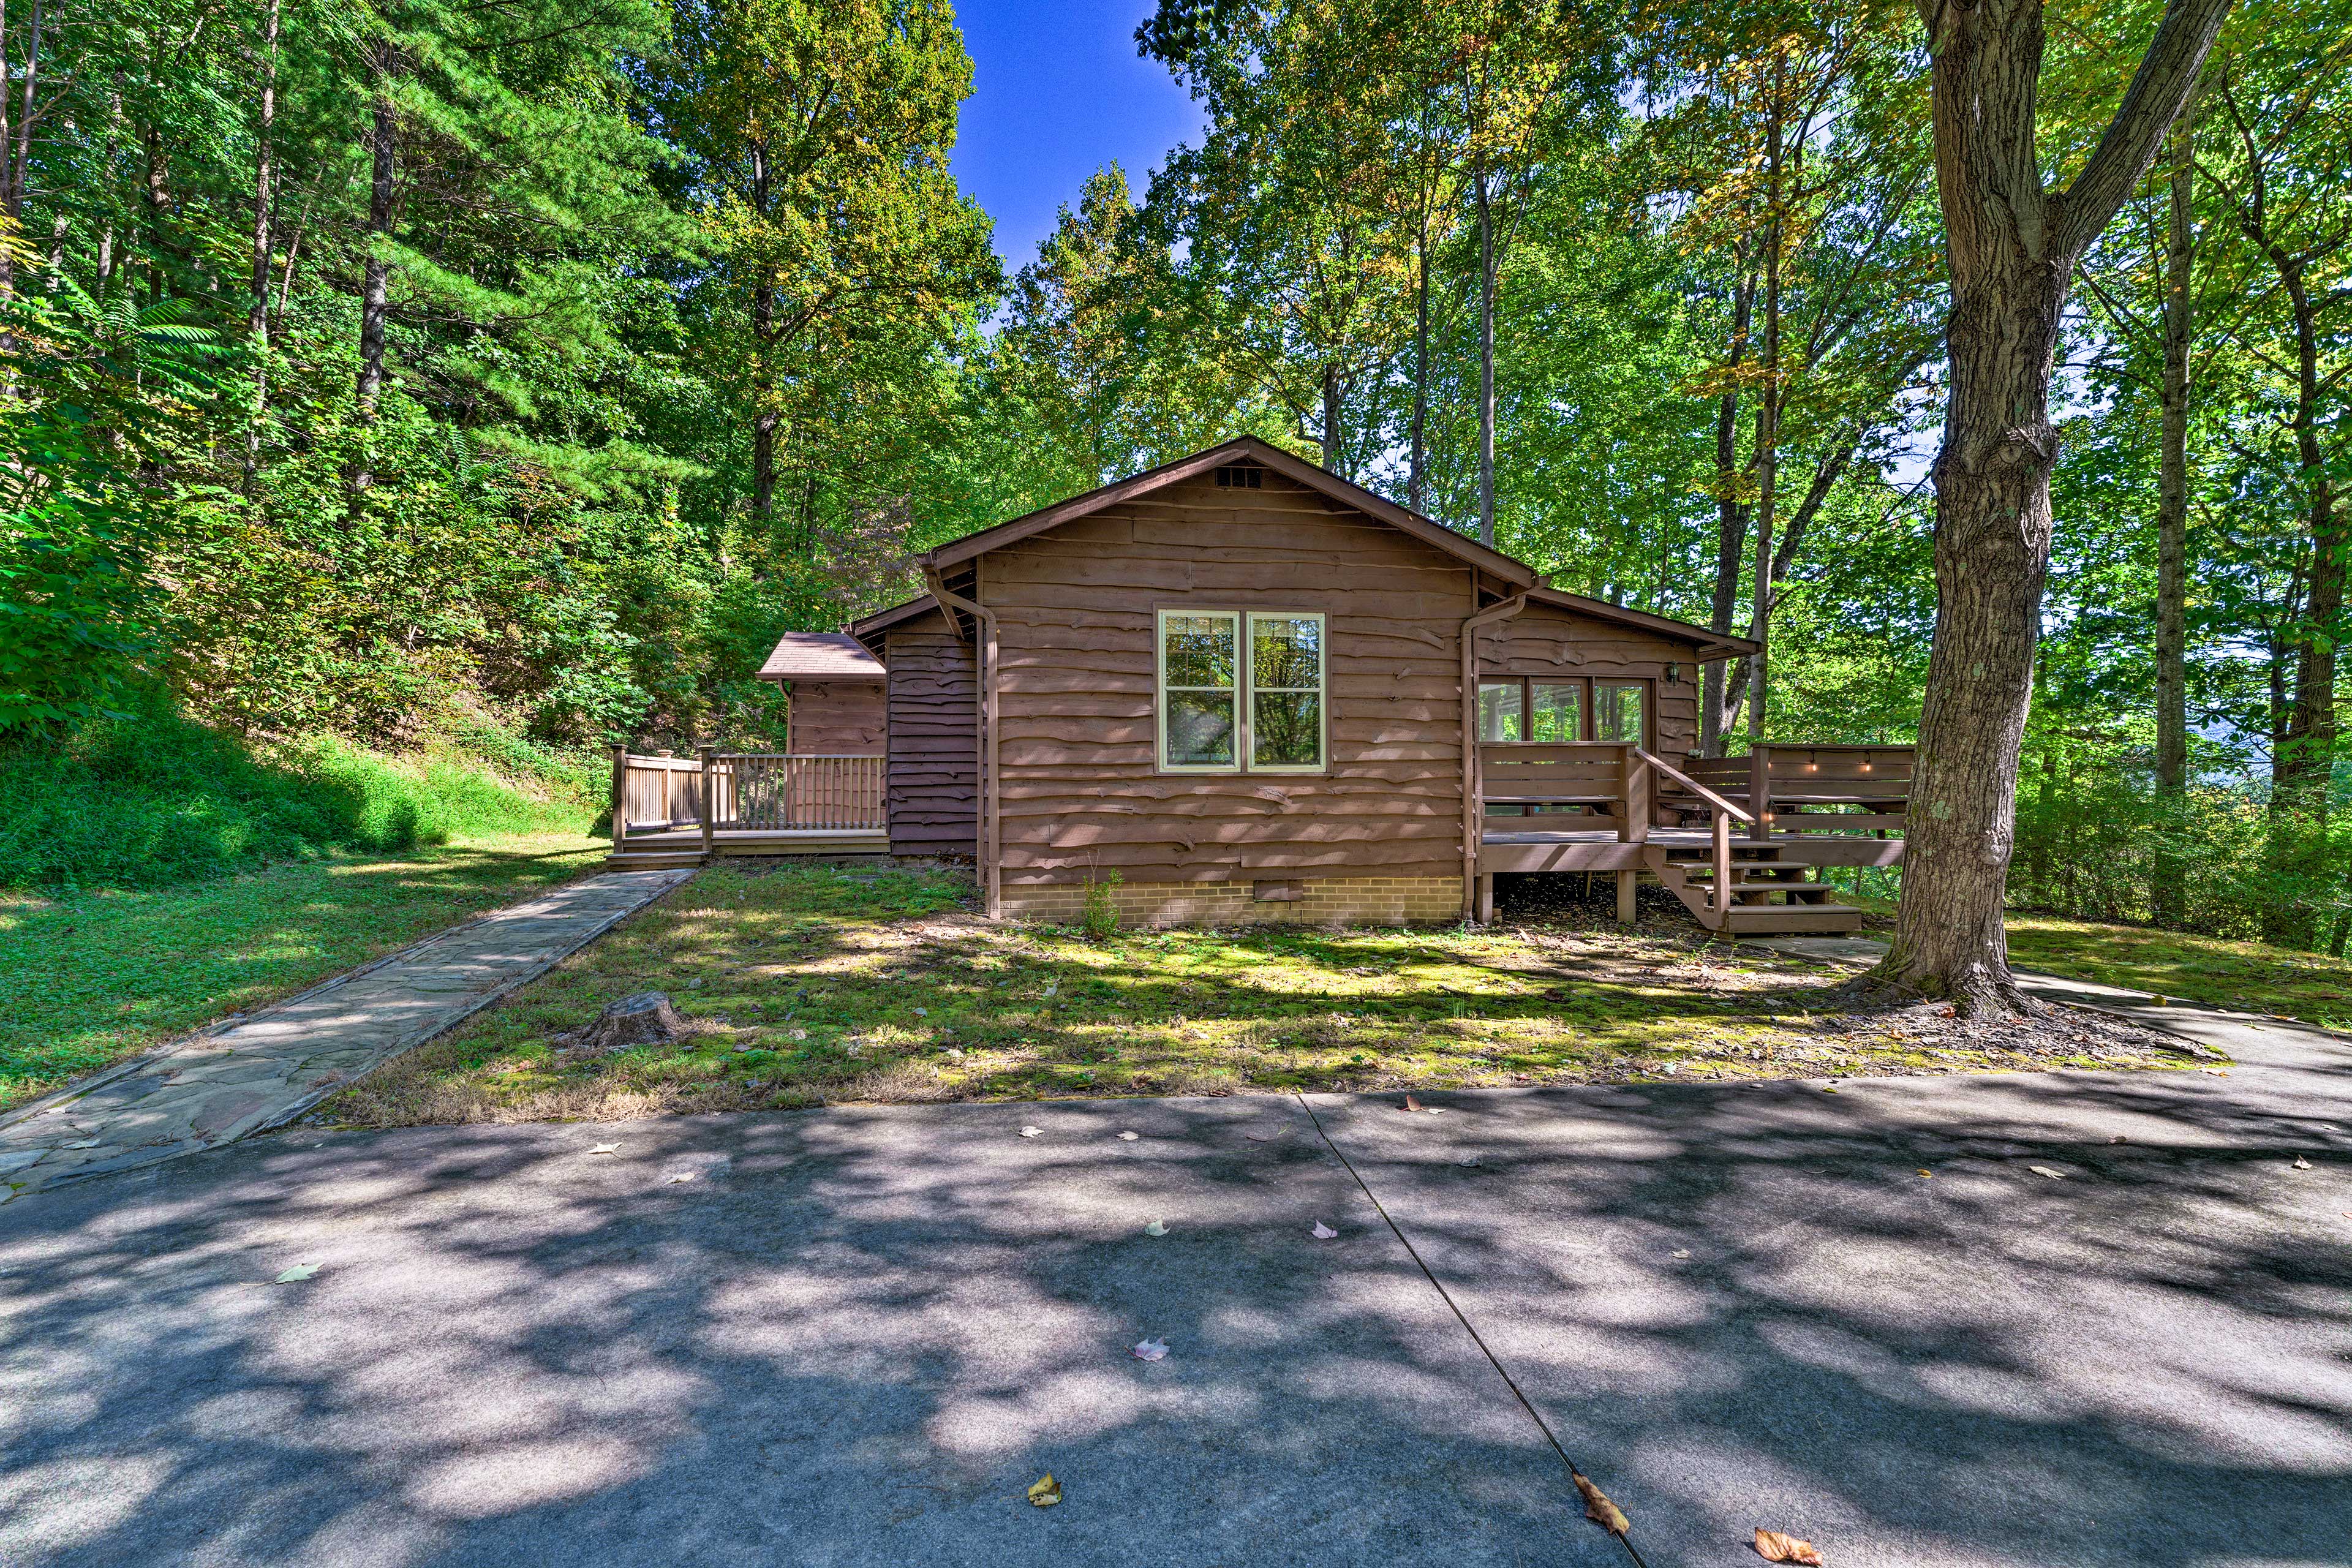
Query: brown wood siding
(933, 749)
(838, 719)
(1075, 612)
(1545, 640)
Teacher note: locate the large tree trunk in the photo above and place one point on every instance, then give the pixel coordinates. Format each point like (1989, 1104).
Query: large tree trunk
(764, 418)
(2167, 902)
(2012, 248)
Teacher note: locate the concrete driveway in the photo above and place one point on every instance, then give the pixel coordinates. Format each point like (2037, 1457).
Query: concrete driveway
(854, 1336)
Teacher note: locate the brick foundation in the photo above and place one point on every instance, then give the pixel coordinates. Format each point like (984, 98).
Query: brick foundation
(1327, 901)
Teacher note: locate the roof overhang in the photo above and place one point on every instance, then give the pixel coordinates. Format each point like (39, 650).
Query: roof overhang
(1516, 573)
(1705, 643)
(819, 655)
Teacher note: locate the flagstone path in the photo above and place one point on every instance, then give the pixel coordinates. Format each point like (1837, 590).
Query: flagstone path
(256, 1070)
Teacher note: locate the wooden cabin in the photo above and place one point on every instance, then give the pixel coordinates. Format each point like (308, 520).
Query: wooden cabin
(1258, 693)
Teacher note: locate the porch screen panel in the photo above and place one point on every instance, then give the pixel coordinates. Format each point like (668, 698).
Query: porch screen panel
(1200, 674)
(1285, 691)
(1559, 711)
(1501, 711)
(1617, 711)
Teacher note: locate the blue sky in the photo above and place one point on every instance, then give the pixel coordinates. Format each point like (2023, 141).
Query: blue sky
(1058, 92)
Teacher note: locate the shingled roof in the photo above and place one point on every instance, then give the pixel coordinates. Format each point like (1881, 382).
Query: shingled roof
(819, 655)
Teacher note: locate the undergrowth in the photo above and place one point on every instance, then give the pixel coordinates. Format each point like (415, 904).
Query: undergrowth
(154, 798)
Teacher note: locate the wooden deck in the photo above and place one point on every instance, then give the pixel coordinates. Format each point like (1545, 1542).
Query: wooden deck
(1773, 820)
(683, 846)
(755, 804)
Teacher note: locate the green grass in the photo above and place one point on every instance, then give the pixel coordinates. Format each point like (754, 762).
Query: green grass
(91, 977)
(153, 799)
(2249, 976)
(805, 983)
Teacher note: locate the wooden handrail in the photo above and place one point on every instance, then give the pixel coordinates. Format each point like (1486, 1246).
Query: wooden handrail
(1696, 788)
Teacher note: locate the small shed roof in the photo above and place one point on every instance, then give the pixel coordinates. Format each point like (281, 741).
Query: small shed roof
(819, 655)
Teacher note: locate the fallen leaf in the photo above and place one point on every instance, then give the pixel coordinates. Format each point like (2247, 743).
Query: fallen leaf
(1410, 1104)
(1047, 1492)
(1468, 1160)
(1929, 1174)
(680, 1176)
(1597, 1506)
(300, 1272)
(1032, 1132)
(1682, 1252)
(1774, 1547)
(605, 1149)
(2046, 1171)
(2300, 1163)
(1129, 1137)
(1149, 1350)
(1829, 1089)
(1155, 1229)
(1322, 1232)
(2217, 1072)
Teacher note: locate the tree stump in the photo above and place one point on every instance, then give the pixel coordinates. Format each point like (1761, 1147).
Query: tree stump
(643, 1020)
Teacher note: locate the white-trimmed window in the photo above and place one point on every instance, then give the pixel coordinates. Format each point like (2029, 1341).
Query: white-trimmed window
(1241, 692)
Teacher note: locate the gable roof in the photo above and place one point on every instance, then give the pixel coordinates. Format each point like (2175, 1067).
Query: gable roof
(819, 655)
(1710, 644)
(1516, 572)
(866, 628)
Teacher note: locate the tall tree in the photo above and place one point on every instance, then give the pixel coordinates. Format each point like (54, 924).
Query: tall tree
(2014, 245)
(818, 133)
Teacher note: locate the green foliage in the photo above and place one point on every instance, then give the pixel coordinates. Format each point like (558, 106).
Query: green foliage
(1101, 916)
(148, 797)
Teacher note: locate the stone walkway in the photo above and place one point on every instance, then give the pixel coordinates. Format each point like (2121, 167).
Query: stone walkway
(257, 1071)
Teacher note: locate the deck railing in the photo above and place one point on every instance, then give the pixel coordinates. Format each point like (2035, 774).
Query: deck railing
(774, 790)
(738, 791)
(1813, 789)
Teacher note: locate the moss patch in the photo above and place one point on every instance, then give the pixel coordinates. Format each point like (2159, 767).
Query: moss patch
(809, 984)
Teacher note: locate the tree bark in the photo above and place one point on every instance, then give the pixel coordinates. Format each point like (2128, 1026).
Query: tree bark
(2012, 248)
(764, 418)
(375, 286)
(1730, 519)
(1334, 452)
(2166, 897)
(1485, 362)
(1416, 475)
(257, 315)
(1767, 420)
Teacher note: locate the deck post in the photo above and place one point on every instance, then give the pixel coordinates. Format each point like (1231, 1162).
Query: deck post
(620, 797)
(709, 755)
(1636, 804)
(1485, 897)
(1759, 791)
(1722, 871)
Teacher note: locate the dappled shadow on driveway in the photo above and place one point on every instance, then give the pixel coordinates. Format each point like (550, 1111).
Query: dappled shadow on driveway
(855, 1335)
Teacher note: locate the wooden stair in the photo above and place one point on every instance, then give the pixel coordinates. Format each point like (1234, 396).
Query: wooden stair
(1772, 891)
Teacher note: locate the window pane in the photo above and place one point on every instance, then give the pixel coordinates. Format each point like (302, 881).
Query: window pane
(1617, 712)
(1286, 729)
(1560, 711)
(1201, 650)
(1498, 710)
(1199, 729)
(1286, 652)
